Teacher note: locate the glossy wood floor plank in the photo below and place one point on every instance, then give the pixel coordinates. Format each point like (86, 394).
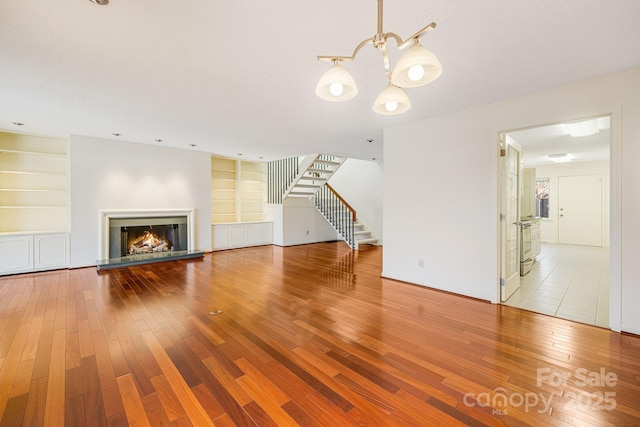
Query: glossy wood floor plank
(308, 335)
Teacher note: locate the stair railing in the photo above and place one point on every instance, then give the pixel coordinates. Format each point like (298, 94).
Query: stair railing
(338, 212)
(280, 175)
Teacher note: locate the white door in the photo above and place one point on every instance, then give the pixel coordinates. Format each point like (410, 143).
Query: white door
(580, 210)
(510, 178)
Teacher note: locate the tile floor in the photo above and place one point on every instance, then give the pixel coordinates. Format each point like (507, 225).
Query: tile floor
(567, 281)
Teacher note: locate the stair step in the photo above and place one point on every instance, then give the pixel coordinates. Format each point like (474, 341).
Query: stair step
(370, 241)
(307, 186)
(327, 162)
(300, 194)
(362, 233)
(319, 170)
(313, 178)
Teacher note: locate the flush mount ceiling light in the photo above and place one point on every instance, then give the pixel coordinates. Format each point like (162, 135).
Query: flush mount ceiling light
(584, 128)
(560, 157)
(100, 2)
(417, 67)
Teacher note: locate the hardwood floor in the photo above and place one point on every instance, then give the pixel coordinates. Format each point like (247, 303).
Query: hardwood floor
(307, 335)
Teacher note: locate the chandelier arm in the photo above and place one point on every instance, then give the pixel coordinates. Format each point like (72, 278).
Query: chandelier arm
(362, 44)
(417, 35)
(397, 38)
(351, 58)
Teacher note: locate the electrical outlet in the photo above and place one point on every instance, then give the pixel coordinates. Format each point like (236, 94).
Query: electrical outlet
(420, 262)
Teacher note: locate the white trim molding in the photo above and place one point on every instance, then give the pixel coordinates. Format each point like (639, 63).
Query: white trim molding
(107, 215)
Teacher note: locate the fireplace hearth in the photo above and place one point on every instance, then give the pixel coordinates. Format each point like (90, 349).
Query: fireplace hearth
(130, 237)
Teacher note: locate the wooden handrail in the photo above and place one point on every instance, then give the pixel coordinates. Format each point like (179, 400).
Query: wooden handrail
(344, 202)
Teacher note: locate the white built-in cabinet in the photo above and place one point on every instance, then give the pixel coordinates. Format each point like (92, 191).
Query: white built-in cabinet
(34, 218)
(241, 235)
(23, 253)
(238, 204)
(536, 239)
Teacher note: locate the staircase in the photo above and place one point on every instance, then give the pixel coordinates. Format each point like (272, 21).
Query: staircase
(343, 218)
(315, 171)
(363, 235)
(309, 179)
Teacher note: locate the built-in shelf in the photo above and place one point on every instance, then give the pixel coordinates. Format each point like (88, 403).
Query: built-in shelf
(238, 190)
(33, 153)
(33, 184)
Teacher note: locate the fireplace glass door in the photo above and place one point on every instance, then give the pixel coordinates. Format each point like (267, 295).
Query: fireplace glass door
(147, 235)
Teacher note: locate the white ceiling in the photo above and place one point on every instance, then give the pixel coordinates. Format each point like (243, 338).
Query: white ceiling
(239, 76)
(540, 142)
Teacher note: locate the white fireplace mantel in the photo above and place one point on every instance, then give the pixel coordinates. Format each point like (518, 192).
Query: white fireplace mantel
(107, 215)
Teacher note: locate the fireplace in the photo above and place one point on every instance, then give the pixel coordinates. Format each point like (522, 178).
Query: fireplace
(136, 237)
(147, 235)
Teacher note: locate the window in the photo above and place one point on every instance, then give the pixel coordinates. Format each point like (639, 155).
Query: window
(542, 197)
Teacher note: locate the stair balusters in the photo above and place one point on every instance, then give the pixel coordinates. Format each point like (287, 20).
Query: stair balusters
(338, 212)
(281, 174)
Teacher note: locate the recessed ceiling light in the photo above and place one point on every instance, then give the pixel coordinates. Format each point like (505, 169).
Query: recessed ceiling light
(18, 123)
(369, 141)
(116, 134)
(261, 157)
(100, 2)
(158, 140)
(192, 145)
(373, 158)
(239, 154)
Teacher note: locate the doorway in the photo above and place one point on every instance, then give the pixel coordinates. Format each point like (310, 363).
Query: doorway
(569, 199)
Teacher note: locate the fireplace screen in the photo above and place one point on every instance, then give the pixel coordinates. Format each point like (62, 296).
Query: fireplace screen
(146, 240)
(147, 235)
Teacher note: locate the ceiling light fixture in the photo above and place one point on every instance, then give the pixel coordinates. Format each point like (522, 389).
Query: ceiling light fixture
(584, 128)
(560, 157)
(18, 123)
(100, 2)
(417, 67)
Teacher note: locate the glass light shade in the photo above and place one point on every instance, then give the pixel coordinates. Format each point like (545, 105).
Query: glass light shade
(391, 101)
(408, 67)
(336, 84)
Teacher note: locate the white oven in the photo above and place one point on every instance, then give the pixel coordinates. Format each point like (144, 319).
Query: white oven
(526, 258)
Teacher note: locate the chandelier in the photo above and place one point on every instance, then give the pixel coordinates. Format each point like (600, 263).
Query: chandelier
(417, 67)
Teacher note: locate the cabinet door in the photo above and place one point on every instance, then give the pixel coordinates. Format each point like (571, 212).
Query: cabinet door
(16, 254)
(51, 251)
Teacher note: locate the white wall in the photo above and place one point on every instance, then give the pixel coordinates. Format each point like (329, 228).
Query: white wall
(108, 174)
(359, 182)
(549, 227)
(302, 223)
(449, 213)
